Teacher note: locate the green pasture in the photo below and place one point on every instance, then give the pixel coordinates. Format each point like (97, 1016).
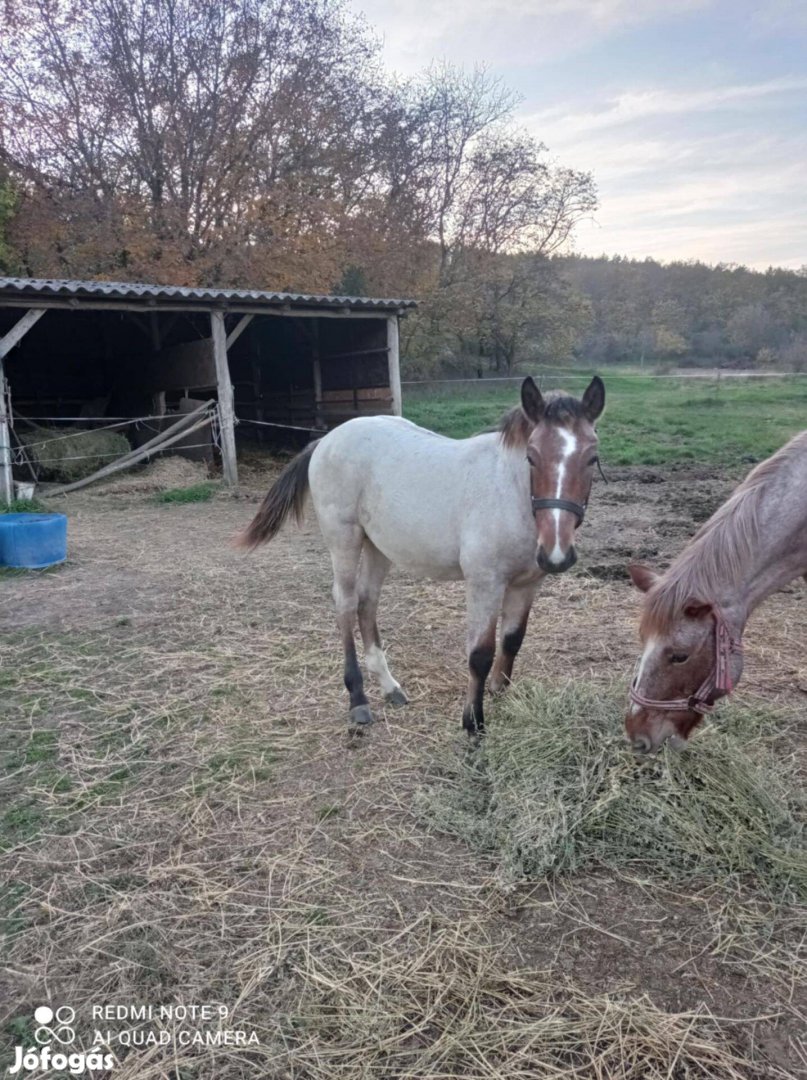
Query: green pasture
(648, 420)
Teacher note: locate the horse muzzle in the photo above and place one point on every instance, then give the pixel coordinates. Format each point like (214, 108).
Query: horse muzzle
(554, 564)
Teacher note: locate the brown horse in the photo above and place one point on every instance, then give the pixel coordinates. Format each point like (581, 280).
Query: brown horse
(694, 615)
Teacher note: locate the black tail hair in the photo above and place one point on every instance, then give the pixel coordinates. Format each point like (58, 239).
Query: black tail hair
(287, 494)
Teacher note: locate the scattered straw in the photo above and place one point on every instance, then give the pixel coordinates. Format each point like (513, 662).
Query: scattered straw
(434, 1001)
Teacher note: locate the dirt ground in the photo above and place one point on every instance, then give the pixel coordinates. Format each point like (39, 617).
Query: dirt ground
(200, 712)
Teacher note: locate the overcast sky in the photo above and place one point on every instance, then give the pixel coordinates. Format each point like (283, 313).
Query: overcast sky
(691, 114)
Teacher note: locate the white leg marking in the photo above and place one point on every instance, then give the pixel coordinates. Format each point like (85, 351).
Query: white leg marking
(377, 665)
(569, 446)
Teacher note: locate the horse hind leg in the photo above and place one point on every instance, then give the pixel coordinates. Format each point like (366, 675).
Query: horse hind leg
(346, 545)
(515, 613)
(372, 573)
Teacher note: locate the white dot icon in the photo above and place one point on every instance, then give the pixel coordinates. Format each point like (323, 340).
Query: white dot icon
(43, 1015)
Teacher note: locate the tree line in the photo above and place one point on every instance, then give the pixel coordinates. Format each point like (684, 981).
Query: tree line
(261, 143)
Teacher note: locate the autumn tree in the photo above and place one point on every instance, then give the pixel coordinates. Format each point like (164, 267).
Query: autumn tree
(489, 192)
(207, 140)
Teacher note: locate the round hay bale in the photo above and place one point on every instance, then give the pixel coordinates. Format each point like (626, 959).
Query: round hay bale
(67, 454)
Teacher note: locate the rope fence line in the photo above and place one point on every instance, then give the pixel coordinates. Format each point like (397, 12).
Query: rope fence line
(95, 419)
(287, 427)
(561, 373)
(139, 422)
(19, 459)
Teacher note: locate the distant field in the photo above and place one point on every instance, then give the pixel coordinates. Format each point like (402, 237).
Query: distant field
(648, 421)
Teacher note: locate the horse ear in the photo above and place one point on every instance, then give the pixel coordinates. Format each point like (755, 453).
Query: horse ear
(594, 398)
(532, 401)
(642, 576)
(696, 609)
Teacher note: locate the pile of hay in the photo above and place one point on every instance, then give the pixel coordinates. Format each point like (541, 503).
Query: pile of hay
(67, 454)
(164, 474)
(555, 788)
(434, 1002)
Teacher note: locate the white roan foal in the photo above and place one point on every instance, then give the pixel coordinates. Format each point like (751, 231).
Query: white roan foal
(499, 510)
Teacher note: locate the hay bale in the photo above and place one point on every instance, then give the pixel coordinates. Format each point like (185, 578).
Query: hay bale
(67, 454)
(555, 788)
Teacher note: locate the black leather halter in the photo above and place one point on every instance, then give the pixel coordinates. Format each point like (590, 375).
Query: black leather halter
(576, 508)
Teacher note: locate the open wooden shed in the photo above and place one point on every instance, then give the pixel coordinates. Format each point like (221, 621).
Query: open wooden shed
(280, 362)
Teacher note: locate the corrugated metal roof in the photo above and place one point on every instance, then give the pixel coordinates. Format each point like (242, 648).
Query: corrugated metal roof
(126, 290)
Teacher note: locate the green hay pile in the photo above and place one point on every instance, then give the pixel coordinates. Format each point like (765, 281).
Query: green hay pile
(66, 459)
(554, 788)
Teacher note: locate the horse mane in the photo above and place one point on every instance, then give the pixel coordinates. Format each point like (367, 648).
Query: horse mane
(725, 544)
(515, 427)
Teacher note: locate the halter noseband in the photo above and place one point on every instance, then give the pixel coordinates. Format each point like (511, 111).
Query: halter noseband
(576, 508)
(718, 679)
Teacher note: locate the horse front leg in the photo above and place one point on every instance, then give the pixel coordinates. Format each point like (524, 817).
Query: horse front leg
(516, 609)
(484, 604)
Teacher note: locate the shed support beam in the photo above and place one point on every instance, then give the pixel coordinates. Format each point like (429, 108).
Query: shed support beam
(226, 401)
(7, 343)
(238, 329)
(19, 330)
(316, 365)
(394, 361)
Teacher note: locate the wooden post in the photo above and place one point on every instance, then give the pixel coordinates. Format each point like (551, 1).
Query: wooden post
(316, 364)
(394, 361)
(6, 478)
(226, 403)
(7, 343)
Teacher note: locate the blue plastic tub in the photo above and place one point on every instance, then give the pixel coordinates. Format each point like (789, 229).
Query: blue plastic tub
(32, 541)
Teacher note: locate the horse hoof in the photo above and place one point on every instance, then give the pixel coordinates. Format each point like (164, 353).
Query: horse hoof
(474, 727)
(361, 716)
(396, 697)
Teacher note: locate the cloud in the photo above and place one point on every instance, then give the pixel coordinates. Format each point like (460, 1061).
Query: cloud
(414, 32)
(633, 106)
(697, 153)
(774, 241)
(680, 179)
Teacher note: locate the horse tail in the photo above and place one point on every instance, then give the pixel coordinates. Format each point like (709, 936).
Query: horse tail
(287, 494)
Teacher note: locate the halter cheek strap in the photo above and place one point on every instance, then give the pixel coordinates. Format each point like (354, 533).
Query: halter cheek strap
(718, 679)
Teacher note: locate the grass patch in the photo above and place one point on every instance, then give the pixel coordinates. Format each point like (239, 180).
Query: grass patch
(23, 506)
(193, 494)
(555, 789)
(647, 421)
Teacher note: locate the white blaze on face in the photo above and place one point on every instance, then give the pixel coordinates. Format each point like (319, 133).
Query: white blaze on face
(557, 556)
(650, 647)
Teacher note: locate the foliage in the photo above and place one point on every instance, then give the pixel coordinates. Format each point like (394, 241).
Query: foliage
(648, 421)
(643, 311)
(8, 204)
(23, 506)
(262, 144)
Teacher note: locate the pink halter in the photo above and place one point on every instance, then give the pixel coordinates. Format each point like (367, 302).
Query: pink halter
(718, 679)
